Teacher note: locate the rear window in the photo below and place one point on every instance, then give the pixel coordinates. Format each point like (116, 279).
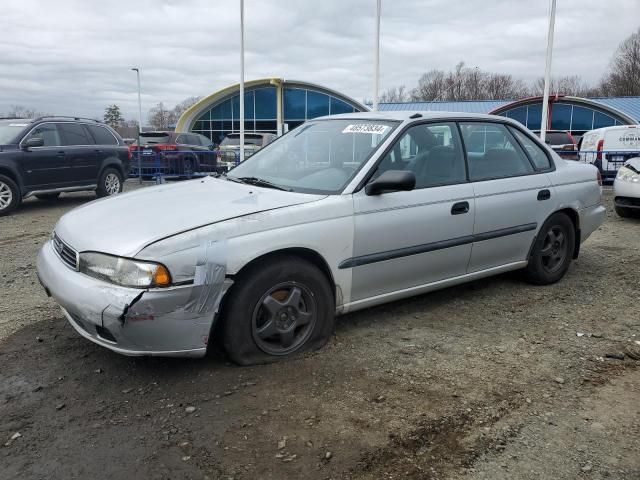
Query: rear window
(248, 140)
(557, 138)
(101, 135)
(75, 134)
(151, 138)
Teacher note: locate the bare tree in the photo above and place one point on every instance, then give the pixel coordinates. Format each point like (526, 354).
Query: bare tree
(394, 94)
(624, 76)
(20, 111)
(567, 85)
(180, 108)
(160, 117)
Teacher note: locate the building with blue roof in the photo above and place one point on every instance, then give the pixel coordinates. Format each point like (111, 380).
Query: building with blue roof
(574, 114)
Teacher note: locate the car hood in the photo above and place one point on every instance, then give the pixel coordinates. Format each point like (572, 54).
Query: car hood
(123, 225)
(634, 162)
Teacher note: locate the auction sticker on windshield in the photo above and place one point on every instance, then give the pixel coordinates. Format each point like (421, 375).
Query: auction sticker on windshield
(366, 128)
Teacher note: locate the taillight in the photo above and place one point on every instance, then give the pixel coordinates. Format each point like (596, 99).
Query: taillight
(599, 149)
(129, 154)
(599, 176)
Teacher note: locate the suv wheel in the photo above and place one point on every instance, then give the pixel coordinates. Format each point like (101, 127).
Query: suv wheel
(110, 183)
(9, 195)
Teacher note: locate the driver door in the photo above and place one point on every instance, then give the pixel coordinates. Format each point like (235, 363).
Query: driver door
(408, 239)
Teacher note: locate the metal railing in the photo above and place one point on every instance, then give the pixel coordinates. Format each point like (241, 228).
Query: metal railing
(607, 161)
(161, 165)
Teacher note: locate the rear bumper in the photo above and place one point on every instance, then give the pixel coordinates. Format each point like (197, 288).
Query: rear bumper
(590, 219)
(155, 322)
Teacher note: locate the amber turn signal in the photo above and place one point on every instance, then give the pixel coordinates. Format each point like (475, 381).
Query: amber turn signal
(161, 277)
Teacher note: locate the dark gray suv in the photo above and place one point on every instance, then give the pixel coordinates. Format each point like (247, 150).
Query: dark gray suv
(46, 156)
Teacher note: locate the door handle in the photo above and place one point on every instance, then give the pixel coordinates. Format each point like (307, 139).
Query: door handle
(62, 154)
(544, 194)
(460, 208)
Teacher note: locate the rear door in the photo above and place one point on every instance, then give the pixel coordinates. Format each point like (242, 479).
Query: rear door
(513, 194)
(47, 166)
(82, 153)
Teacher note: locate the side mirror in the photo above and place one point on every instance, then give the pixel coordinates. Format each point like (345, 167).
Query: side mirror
(33, 142)
(392, 181)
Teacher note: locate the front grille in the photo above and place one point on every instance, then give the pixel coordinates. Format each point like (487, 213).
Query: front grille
(67, 254)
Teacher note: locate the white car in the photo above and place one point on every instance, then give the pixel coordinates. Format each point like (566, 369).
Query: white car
(610, 147)
(626, 189)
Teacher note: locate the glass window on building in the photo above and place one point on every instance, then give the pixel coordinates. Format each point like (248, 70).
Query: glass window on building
(534, 116)
(265, 99)
(601, 120)
(338, 106)
(519, 114)
(582, 118)
(295, 101)
(561, 116)
(317, 104)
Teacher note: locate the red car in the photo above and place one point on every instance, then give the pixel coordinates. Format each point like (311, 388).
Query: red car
(562, 142)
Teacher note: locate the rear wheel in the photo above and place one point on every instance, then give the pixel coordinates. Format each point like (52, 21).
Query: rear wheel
(552, 251)
(277, 309)
(109, 183)
(9, 195)
(48, 196)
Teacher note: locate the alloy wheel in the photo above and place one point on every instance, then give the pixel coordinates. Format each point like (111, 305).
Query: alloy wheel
(284, 318)
(6, 195)
(554, 249)
(112, 184)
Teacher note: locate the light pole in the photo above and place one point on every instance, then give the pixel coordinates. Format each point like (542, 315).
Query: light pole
(241, 81)
(137, 70)
(376, 61)
(547, 71)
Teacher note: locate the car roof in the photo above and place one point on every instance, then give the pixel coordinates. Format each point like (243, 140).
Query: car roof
(418, 115)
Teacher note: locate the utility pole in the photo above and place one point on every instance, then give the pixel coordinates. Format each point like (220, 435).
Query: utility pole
(241, 81)
(547, 71)
(376, 62)
(137, 70)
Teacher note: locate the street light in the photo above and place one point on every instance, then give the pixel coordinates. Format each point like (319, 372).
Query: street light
(241, 81)
(376, 61)
(137, 70)
(547, 71)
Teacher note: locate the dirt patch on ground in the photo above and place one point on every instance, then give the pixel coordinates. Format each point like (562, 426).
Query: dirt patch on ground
(488, 380)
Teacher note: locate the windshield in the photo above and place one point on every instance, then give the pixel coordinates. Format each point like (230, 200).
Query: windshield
(234, 140)
(9, 130)
(317, 157)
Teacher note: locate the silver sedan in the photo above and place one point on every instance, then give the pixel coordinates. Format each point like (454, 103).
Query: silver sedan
(342, 213)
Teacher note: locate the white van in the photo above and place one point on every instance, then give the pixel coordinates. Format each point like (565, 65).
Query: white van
(608, 148)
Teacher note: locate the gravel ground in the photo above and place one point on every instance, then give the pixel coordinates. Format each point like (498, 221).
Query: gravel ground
(485, 381)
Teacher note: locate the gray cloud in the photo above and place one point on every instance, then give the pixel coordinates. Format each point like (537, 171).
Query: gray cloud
(74, 56)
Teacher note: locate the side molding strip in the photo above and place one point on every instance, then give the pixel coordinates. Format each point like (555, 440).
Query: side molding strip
(433, 246)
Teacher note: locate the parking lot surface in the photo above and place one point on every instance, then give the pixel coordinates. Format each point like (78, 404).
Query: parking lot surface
(496, 379)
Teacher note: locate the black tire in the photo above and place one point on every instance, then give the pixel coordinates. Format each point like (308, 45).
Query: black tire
(552, 252)
(10, 196)
(189, 166)
(48, 196)
(300, 317)
(623, 212)
(107, 184)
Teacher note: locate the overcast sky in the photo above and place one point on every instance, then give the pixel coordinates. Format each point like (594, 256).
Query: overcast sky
(73, 57)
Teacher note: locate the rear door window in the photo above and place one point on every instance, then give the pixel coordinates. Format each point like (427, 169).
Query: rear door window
(492, 152)
(75, 134)
(536, 154)
(49, 134)
(101, 135)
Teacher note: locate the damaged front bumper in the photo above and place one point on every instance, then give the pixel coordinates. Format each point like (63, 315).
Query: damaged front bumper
(173, 321)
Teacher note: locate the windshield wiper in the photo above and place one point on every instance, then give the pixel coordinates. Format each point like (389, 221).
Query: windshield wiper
(259, 182)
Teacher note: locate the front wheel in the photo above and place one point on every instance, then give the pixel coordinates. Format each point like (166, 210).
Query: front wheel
(9, 195)
(552, 251)
(109, 183)
(277, 309)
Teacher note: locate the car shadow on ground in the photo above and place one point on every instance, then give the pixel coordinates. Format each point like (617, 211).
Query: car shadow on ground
(33, 205)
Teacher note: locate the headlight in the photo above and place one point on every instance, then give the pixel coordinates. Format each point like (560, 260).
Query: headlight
(627, 175)
(123, 271)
